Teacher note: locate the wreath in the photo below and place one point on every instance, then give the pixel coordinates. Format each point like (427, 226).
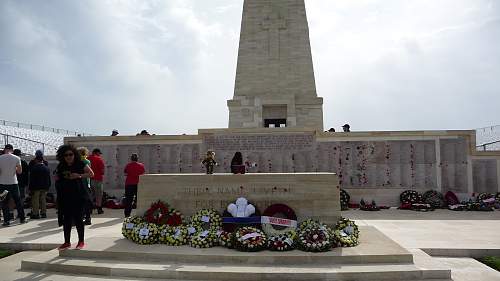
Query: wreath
(434, 198)
(158, 213)
(457, 207)
(207, 220)
(129, 224)
(344, 200)
(173, 235)
(451, 198)
(204, 239)
(368, 207)
(346, 233)
(310, 223)
(282, 242)
(314, 239)
(145, 233)
(174, 218)
(192, 230)
(410, 197)
(226, 239)
(283, 211)
(249, 239)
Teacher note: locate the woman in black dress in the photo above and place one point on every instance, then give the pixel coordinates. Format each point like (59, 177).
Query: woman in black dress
(71, 193)
(237, 164)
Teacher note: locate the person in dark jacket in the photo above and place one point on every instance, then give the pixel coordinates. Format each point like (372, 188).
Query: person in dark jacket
(39, 184)
(22, 178)
(71, 193)
(237, 164)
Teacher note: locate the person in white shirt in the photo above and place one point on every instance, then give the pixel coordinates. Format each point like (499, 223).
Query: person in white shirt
(10, 166)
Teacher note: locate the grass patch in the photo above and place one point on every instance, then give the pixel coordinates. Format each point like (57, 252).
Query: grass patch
(493, 262)
(5, 253)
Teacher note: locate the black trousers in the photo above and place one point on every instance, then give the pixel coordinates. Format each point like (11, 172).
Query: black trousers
(70, 216)
(130, 192)
(14, 194)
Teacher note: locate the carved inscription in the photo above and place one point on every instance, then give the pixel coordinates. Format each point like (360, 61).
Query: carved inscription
(259, 142)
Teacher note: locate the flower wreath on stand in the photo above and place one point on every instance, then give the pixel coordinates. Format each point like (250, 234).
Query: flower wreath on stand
(409, 197)
(145, 233)
(434, 198)
(249, 239)
(158, 213)
(204, 239)
(226, 239)
(207, 219)
(173, 235)
(129, 224)
(346, 233)
(282, 242)
(314, 239)
(273, 222)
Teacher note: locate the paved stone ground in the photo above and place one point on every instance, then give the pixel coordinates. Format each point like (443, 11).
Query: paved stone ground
(441, 229)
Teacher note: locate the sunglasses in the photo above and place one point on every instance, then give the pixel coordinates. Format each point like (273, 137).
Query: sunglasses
(68, 155)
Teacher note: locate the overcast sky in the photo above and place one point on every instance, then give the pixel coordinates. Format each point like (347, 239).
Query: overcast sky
(169, 66)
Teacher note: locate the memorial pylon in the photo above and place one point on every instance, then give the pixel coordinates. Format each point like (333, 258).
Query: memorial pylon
(275, 84)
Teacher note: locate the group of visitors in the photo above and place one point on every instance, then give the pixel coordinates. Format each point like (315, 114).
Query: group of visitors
(346, 128)
(78, 182)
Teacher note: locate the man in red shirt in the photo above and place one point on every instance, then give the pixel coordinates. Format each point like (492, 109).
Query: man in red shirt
(97, 165)
(133, 170)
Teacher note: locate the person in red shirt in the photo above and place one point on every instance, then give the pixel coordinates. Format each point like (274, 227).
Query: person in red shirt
(133, 170)
(97, 165)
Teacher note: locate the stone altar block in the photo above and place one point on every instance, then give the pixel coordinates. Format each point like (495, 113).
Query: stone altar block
(310, 195)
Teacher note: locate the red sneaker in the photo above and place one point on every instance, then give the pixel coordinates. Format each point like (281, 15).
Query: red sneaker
(80, 245)
(64, 246)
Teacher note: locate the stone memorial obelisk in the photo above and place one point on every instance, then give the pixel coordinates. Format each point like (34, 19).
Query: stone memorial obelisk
(275, 84)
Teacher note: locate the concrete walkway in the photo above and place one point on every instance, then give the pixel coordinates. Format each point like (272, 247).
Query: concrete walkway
(440, 232)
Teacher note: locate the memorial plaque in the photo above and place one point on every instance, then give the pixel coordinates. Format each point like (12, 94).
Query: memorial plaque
(294, 142)
(310, 195)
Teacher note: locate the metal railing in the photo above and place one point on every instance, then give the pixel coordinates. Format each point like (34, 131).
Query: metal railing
(488, 138)
(40, 128)
(19, 142)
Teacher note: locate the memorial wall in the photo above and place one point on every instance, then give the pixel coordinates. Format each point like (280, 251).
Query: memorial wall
(370, 165)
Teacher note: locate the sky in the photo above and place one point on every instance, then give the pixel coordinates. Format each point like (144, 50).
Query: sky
(168, 66)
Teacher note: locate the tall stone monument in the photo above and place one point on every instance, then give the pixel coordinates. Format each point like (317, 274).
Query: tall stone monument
(275, 84)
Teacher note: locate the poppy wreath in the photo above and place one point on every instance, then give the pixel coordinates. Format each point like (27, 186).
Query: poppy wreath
(158, 213)
(434, 198)
(173, 235)
(174, 218)
(344, 200)
(226, 239)
(249, 239)
(346, 233)
(314, 239)
(145, 233)
(204, 239)
(282, 242)
(129, 224)
(207, 219)
(409, 197)
(284, 211)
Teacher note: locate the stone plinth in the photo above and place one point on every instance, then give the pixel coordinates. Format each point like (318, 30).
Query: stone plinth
(310, 195)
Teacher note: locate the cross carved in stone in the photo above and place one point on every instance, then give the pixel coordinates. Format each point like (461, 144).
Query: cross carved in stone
(274, 23)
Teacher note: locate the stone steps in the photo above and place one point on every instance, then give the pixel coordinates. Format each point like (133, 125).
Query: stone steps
(51, 261)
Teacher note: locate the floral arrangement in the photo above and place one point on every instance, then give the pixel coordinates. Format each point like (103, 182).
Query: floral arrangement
(309, 223)
(207, 219)
(158, 213)
(344, 200)
(284, 211)
(192, 230)
(434, 198)
(409, 197)
(368, 207)
(145, 233)
(226, 239)
(346, 233)
(282, 242)
(314, 239)
(129, 225)
(173, 235)
(204, 239)
(249, 239)
(175, 218)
